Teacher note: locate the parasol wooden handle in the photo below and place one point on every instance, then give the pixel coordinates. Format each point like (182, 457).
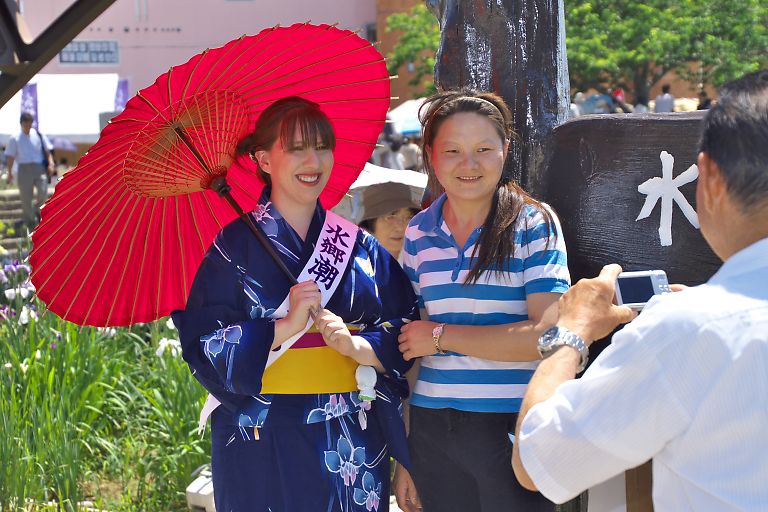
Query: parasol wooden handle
(222, 188)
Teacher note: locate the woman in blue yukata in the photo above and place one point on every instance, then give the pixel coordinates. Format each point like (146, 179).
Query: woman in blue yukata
(305, 413)
(488, 264)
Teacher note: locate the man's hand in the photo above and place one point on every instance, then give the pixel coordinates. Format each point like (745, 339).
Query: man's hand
(9, 162)
(588, 310)
(416, 339)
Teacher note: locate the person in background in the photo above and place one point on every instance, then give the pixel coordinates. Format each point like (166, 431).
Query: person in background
(578, 101)
(619, 95)
(642, 105)
(488, 263)
(684, 383)
(394, 159)
(665, 102)
(387, 210)
(705, 103)
(411, 152)
(387, 152)
(31, 151)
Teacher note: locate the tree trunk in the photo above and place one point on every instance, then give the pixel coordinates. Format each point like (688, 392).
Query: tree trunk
(515, 48)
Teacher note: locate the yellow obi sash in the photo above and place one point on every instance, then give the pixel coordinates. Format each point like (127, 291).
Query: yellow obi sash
(311, 367)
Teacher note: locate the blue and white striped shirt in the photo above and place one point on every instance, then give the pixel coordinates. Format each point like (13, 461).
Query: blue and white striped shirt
(437, 268)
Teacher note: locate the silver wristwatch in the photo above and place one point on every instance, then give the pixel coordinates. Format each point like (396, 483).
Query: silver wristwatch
(555, 337)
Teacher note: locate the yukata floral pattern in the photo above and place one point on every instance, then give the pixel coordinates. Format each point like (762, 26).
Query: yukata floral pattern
(370, 493)
(346, 460)
(263, 444)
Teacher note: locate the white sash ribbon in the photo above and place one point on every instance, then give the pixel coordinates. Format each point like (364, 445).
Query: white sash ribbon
(326, 267)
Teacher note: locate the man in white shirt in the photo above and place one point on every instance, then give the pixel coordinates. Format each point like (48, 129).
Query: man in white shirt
(32, 152)
(685, 383)
(665, 102)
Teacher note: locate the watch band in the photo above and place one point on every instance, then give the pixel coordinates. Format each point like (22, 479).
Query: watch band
(556, 337)
(437, 332)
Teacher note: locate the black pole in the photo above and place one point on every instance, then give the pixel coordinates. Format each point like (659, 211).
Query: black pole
(221, 187)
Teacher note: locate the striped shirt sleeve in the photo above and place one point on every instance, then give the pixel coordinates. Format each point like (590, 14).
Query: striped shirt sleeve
(545, 263)
(410, 264)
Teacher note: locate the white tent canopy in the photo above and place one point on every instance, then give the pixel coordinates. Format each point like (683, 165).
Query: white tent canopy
(67, 105)
(406, 117)
(350, 206)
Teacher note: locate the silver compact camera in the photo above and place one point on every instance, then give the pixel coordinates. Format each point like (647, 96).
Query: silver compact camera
(635, 289)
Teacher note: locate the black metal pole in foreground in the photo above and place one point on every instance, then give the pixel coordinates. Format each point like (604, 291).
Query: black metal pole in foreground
(222, 188)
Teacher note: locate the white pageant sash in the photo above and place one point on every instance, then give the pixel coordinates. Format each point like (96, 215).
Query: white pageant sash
(326, 267)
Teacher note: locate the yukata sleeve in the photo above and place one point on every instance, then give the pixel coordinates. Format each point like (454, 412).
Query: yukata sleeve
(225, 349)
(398, 306)
(545, 261)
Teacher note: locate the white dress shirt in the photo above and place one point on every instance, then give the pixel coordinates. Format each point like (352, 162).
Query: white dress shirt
(27, 148)
(686, 383)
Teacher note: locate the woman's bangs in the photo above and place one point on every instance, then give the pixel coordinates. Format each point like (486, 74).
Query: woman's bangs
(312, 126)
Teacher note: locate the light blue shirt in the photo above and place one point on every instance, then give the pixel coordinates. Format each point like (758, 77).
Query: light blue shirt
(683, 384)
(27, 149)
(438, 267)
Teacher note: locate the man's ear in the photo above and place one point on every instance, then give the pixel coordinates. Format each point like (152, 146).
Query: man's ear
(711, 189)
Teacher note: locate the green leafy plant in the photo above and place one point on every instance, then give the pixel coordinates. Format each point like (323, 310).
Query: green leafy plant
(92, 414)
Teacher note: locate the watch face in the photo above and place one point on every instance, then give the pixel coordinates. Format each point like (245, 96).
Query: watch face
(547, 340)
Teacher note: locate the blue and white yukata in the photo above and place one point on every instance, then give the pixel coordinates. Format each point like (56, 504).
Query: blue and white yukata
(295, 452)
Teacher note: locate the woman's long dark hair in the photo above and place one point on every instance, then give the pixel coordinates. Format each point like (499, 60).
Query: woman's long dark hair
(496, 244)
(280, 120)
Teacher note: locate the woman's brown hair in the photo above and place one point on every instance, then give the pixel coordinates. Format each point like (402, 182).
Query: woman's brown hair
(496, 244)
(281, 119)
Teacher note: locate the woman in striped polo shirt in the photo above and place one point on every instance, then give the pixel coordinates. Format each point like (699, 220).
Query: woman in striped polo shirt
(488, 263)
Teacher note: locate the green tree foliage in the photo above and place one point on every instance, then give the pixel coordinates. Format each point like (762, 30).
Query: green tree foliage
(624, 42)
(732, 40)
(417, 45)
(636, 43)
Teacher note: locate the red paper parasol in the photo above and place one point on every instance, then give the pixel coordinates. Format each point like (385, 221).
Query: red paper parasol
(121, 239)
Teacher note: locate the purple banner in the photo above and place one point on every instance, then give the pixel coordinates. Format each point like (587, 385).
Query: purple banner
(121, 94)
(29, 101)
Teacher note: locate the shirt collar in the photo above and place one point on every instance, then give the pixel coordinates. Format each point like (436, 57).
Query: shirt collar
(432, 217)
(432, 221)
(750, 258)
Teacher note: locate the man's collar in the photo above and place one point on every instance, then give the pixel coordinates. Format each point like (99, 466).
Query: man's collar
(746, 260)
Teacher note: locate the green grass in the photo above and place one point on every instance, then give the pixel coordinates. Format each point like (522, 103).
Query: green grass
(89, 414)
